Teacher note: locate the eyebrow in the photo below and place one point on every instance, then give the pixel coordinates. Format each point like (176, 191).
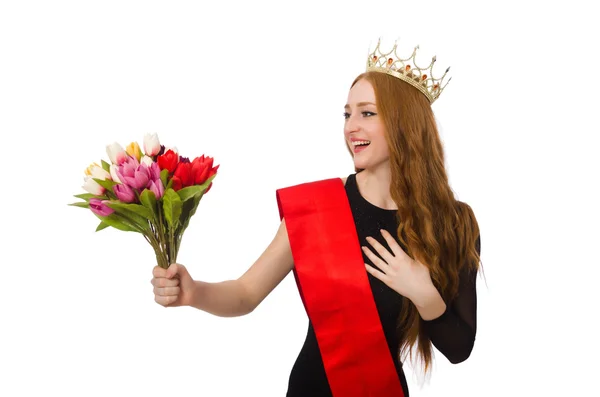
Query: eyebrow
(360, 104)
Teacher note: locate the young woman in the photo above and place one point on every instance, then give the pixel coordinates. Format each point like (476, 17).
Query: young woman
(385, 260)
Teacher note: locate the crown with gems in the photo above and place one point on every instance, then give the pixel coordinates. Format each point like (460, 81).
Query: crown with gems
(407, 70)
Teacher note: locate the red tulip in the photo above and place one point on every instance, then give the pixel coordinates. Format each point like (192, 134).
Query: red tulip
(208, 188)
(212, 172)
(202, 169)
(168, 161)
(176, 185)
(183, 176)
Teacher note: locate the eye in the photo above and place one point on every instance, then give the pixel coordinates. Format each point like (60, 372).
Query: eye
(367, 114)
(346, 115)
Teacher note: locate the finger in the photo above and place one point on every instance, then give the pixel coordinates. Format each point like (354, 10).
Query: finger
(385, 254)
(165, 282)
(375, 259)
(393, 244)
(166, 291)
(377, 274)
(172, 270)
(159, 271)
(164, 300)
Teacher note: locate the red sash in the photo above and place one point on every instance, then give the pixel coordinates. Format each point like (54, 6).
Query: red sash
(330, 273)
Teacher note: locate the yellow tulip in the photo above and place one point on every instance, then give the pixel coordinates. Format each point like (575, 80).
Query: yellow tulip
(134, 150)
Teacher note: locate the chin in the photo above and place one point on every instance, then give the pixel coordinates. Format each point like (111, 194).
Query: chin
(364, 164)
(361, 165)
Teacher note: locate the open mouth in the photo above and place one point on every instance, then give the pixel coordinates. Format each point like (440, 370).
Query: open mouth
(360, 145)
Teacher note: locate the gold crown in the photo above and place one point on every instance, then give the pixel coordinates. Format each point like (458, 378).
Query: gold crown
(420, 78)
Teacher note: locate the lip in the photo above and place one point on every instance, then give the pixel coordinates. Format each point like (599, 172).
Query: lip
(358, 149)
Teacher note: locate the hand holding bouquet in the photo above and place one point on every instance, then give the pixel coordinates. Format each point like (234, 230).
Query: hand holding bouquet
(154, 193)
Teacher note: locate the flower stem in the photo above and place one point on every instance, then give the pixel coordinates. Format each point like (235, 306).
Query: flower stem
(163, 239)
(173, 248)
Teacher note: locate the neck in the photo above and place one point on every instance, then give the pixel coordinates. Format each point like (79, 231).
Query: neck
(374, 185)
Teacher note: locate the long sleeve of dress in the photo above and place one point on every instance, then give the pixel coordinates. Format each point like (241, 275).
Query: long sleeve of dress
(453, 333)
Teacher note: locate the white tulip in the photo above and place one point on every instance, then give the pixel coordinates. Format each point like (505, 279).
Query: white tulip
(113, 173)
(151, 144)
(99, 173)
(116, 153)
(146, 160)
(91, 186)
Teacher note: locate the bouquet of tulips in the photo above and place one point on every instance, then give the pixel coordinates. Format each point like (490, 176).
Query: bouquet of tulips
(154, 193)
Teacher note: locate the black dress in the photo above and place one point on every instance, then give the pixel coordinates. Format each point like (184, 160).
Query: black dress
(453, 333)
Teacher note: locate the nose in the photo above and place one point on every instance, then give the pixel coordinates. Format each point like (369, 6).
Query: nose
(351, 125)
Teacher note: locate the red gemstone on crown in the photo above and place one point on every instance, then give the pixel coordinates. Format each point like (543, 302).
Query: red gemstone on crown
(424, 77)
(390, 61)
(407, 68)
(374, 58)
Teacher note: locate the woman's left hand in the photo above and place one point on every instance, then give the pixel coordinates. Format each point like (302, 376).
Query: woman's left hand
(406, 276)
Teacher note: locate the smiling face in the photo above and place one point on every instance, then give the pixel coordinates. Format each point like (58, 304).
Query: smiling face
(363, 123)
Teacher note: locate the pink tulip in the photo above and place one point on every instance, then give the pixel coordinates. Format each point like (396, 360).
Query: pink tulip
(128, 167)
(140, 178)
(155, 172)
(155, 184)
(134, 174)
(99, 207)
(157, 188)
(124, 193)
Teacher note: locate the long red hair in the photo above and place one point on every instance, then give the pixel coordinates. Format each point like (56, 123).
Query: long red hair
(437, 230)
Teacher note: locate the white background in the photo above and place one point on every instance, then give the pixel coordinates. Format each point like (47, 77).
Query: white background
(261, 87)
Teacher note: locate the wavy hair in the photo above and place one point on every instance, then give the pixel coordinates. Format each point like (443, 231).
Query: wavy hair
(436, 229)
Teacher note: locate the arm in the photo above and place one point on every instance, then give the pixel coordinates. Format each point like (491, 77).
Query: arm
(453, 333)
(240, 297)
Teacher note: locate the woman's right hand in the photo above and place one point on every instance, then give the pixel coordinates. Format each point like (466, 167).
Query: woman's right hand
(173, 286)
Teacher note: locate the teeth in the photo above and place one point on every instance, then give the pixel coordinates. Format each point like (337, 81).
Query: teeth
(356, 143)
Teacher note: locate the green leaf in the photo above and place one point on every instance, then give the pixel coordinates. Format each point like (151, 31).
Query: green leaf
(118, 222)
(107, 183)
(132, 218)
(148, 200)
(81, 204)
(164, 174)
(172, 207)
(86, 196)
(135, 208)
(195, 207)
(102, 226)
(105, 166)
(188, 192)
(188, 210)
(110, 195)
